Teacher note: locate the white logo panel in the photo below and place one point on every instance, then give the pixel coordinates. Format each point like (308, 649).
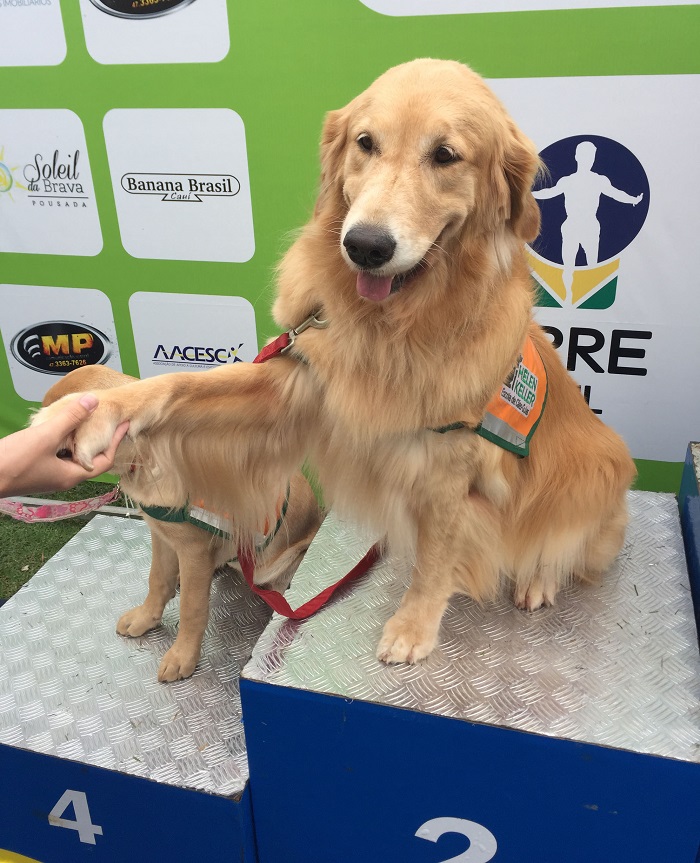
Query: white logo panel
(632, 355)
(50, 331)
(47, 199)
(460, 7)
(32, 33)
(183, 193)
(156, 31)
(191, 332)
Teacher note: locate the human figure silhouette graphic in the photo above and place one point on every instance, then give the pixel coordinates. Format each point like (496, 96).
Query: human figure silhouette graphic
(582, 191)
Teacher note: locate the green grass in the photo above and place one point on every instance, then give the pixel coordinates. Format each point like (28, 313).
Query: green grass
(24, 548)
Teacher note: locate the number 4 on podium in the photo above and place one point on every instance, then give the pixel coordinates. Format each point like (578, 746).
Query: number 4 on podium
(82, 821)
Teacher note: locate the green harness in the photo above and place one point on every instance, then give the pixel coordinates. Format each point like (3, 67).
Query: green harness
(208, 521)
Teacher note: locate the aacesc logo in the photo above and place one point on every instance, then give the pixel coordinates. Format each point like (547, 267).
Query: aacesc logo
(57, 347)
(594, 200)
(192, 355)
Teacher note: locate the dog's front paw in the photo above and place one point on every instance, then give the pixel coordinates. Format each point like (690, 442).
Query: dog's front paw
(95, 434)
(177, 664)
(137, 621)
(405, 641)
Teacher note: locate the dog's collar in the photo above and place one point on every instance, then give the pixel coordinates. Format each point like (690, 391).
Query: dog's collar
(211, 522)
(285, 342)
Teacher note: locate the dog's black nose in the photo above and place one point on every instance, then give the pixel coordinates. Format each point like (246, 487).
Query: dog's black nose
(369, 247)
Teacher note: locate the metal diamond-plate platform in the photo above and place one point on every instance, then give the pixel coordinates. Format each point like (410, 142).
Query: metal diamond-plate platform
(70, 686)
(616, 665)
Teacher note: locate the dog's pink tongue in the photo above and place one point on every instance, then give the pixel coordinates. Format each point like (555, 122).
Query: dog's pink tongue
(373, 287)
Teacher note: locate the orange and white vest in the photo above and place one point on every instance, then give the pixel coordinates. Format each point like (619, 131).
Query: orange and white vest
(513, 414)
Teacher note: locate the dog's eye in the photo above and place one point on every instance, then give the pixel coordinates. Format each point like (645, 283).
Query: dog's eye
(365, 143)
(444, 155)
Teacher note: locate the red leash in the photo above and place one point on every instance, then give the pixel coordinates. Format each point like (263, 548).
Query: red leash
(247, 561)
(279, 604)
(286, 341)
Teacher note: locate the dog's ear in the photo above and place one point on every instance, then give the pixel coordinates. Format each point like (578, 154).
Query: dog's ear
(333, 142)
(504, 191)
(521, 164)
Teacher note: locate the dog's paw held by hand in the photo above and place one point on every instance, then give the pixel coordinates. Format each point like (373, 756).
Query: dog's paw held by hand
(95, 434)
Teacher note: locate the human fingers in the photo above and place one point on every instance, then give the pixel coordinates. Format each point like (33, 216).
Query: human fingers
(73, 413)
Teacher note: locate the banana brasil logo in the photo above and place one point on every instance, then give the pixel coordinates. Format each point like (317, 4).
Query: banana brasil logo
(594, 200)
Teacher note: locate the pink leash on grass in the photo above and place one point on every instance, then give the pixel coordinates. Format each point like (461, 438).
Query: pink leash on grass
(46, 512)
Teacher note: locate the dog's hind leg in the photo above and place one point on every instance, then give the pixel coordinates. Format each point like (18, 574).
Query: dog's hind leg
(543, 564)
(605, 544)
(162, 584)
(540, 590)
(566, 557)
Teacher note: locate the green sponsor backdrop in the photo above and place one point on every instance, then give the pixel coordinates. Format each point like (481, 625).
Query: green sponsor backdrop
(288, 64)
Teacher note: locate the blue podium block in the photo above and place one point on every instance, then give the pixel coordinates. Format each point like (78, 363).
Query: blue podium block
(61, 811)
(689, 506)
(690, 478)
(569, 735)
(98, 760)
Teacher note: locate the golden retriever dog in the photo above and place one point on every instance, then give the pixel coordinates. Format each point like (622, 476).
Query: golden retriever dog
(414, 260)
(189, 551)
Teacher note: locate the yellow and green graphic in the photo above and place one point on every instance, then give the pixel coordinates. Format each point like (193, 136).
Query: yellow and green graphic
(11, 857)
(7, 176)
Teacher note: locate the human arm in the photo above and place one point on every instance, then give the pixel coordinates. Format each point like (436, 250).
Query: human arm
(29, 460)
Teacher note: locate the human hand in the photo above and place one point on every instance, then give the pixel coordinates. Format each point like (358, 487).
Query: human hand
(29, 460)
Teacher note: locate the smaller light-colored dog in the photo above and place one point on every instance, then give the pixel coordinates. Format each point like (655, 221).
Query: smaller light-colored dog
(188, 543)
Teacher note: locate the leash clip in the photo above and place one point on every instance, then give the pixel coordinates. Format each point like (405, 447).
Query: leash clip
(312, 321)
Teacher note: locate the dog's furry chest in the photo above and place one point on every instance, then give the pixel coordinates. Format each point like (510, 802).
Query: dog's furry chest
(383, 482)
(375, 383)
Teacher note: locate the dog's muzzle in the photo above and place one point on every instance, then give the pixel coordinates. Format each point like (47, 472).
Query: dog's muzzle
(369, 247)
